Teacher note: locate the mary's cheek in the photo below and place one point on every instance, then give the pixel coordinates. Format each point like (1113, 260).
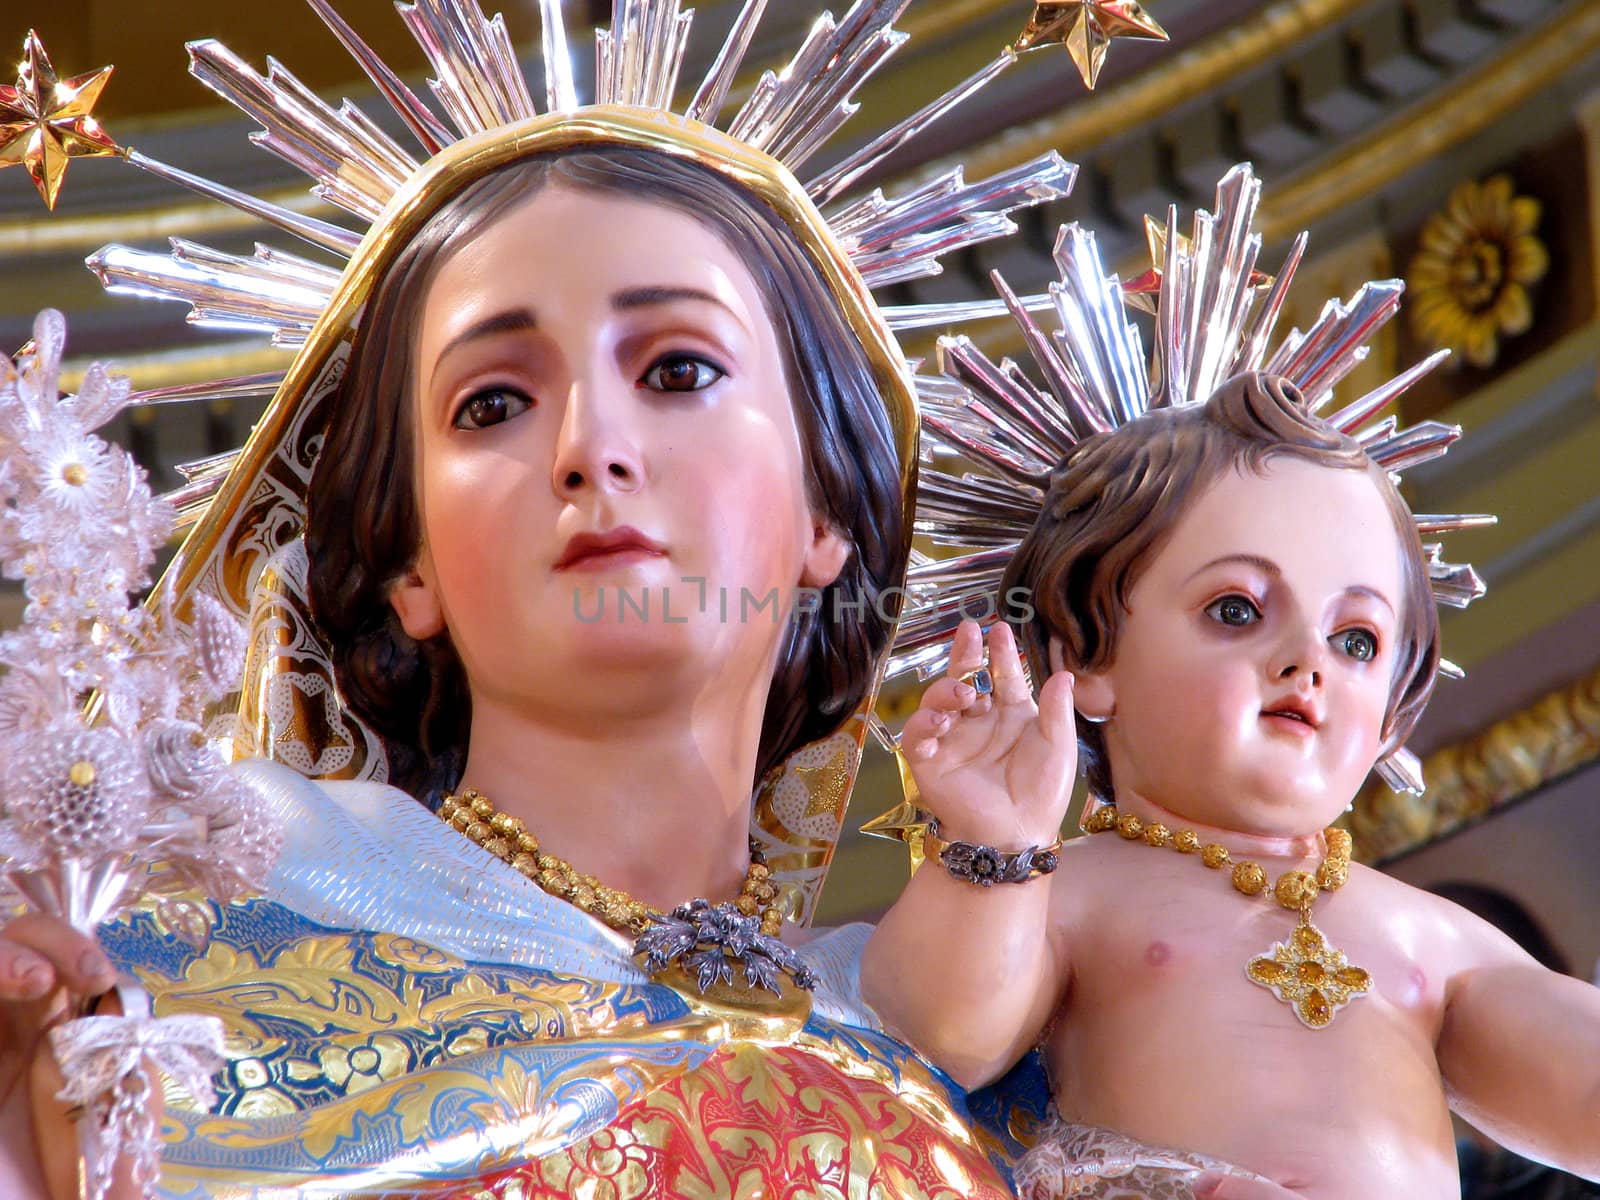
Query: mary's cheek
(763, 495)
(484, 558)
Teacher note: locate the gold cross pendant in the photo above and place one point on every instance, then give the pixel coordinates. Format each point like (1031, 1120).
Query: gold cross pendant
(1309, 975)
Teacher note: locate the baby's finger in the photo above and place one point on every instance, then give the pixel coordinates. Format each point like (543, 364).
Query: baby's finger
(1005, 666)
(1056, 722)
(924, 724)
(949, 695)
(966, 650)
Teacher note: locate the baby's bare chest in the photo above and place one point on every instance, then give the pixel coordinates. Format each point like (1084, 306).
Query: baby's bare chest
(1187, 937)
(1166, 1035)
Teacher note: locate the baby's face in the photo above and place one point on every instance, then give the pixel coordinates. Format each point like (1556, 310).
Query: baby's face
(1252, 674)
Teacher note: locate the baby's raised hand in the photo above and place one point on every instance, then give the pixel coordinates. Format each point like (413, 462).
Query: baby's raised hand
(997, 768)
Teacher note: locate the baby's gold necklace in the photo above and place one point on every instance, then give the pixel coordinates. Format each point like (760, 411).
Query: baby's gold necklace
(1306, 971)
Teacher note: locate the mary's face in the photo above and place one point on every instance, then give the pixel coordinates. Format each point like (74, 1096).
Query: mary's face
(610, 480)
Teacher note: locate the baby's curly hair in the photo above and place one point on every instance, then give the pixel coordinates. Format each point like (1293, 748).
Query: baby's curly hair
(1112, 504)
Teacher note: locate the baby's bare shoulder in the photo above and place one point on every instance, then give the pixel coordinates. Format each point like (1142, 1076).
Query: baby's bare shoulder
(1087, 861)
(1378, 889)
(1099, 874)
(1078, 887)
(1437, 931)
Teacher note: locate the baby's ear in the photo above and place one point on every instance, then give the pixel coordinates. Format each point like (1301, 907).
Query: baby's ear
(415, 600)
(1092, 693)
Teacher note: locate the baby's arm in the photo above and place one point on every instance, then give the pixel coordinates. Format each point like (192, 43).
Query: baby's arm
(1520, 1053)
(969, 975)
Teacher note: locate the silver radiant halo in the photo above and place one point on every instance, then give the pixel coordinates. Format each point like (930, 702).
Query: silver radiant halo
(476, 84)
(1213, 320)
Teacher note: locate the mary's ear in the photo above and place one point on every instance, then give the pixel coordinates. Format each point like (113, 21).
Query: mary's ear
(415, 600)
(825, 556)
(1092, 692)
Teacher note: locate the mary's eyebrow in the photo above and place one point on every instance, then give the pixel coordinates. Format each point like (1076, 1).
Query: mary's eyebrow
(644, 297)
(511, 320)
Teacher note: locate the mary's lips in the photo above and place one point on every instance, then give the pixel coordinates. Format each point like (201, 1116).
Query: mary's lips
(621, 540)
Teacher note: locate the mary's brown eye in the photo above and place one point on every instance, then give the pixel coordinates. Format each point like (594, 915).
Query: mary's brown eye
(681, 373)
(492, 406)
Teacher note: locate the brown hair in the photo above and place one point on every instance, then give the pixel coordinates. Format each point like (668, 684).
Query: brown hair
(363, 531)
(1115, 500)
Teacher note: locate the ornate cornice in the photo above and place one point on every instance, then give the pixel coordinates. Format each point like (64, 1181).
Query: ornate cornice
(1468, 781)
(1449, 117)
(1460, 110)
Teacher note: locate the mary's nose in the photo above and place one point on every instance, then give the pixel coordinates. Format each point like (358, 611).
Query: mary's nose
(598, 446)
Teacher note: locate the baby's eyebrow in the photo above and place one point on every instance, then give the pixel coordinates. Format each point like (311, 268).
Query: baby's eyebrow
(1272, 571)
(1360, 589)
(1265, 565)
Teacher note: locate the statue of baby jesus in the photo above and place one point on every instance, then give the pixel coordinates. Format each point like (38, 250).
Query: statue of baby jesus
(1235, 600)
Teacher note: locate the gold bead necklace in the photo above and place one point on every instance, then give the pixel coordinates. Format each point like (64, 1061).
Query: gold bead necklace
(1306, 971)
(507, 838)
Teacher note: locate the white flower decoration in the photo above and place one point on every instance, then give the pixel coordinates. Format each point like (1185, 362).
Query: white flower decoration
(72, 471)
(87, 802)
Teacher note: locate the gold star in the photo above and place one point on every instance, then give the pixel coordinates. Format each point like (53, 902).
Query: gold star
(905, 822)
(1309, 975)
(1087, 28)
(1142, 290)
(828, 786)
(45, 121)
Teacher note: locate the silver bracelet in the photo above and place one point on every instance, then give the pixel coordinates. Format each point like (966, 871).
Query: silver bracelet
(984, 865)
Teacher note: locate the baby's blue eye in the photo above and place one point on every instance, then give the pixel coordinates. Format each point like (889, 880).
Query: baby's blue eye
(1359, 644)
(1234, 611)
(681, 373)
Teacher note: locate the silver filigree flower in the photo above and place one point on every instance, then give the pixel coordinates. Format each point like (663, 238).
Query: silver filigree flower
(182, 767)
(712, 939)
(73, 471)
(80, 792)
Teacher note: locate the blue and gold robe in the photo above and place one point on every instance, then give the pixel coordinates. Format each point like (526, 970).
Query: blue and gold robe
(407, 1015)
